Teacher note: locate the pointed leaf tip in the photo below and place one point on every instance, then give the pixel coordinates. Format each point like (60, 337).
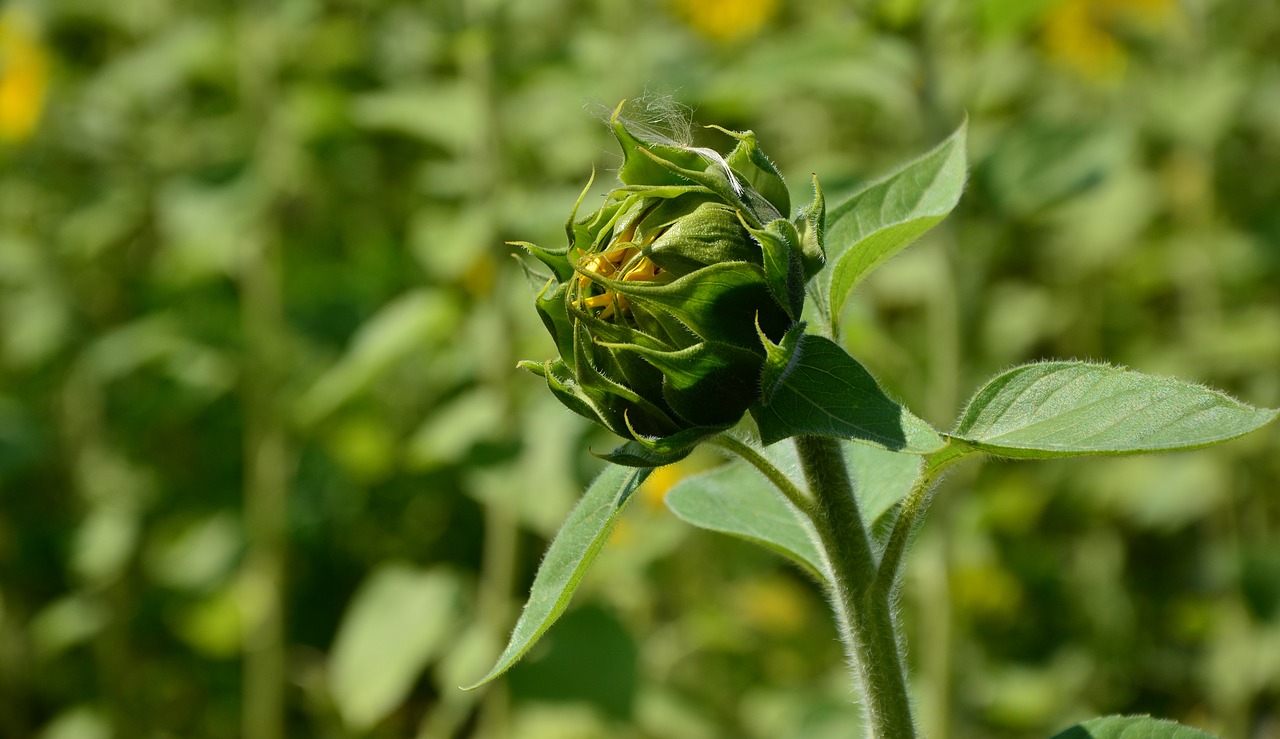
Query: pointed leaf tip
(888, 215)
(1061, 409)
(567, 560)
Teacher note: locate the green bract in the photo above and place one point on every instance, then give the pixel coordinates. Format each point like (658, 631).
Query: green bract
(662, 300)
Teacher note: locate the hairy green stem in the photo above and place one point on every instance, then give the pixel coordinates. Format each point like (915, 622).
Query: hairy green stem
(912, 511)
(766, 468)
(864, 614)
(908, 518)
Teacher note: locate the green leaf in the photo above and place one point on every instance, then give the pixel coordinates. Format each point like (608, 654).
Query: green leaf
(886, 216)
(400, 619)
(567, 559)
(735, 499)
(1059, 409)
(883, 478)
(643, 451)
(826, 392)
(408, 323)
(1131, 727)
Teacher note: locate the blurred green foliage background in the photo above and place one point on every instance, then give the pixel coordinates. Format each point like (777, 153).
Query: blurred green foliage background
(267, 470)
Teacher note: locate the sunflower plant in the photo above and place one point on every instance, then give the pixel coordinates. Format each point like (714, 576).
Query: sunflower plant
(697, 306)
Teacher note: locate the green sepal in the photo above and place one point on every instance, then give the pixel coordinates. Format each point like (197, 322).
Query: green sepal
(811, 225)
(706, 235)
(587, 233)
(706, 384)
(754, 167)
(780, 359)
(629, 369)
(571, 222)
(604, 388)
(557, 260)
(645, 451)
(666, 192)
(783, 266)
(645, 159)
(551, 309)
(566, 389)
(718, 303)
(721, 180)
(669, 330)
(633, 454)
(605, 332)
(663, 330)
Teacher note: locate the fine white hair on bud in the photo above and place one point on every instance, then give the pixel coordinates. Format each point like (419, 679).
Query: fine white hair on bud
(717, 159)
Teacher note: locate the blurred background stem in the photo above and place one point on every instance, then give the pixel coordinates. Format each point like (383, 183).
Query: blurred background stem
(477, 49)
(267, 447)
(942, 318)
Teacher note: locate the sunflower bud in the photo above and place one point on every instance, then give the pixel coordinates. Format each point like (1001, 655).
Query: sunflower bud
(662, 301)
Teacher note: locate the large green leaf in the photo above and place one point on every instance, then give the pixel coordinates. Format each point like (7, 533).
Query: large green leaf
(1059, 409)
(414, 320)
(826, 392)
(883, 478)
(735, 499)
(399, 620)
(886, 216)
(567, 559)
(1131, 727)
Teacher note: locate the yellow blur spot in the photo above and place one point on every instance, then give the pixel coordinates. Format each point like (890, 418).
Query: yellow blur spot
(773, 605)
(654, 490)
(24, 72)
(986, 592)
(623, 534)
(726, 20)
(1082, 34)
(478, 278)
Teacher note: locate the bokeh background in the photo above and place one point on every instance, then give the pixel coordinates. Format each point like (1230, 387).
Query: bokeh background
(267, 469)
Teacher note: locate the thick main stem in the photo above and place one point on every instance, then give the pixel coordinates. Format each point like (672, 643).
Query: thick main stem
(864, 613)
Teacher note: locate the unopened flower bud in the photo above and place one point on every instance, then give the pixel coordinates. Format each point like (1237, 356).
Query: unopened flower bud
(661, 301)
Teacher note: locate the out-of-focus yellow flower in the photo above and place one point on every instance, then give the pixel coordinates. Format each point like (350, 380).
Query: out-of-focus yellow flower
(1081, 34)
(726, 20)
(774, 605)
(654, 490)
(653, 493)
(478, 277)
(24, 72)
(986, 592)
